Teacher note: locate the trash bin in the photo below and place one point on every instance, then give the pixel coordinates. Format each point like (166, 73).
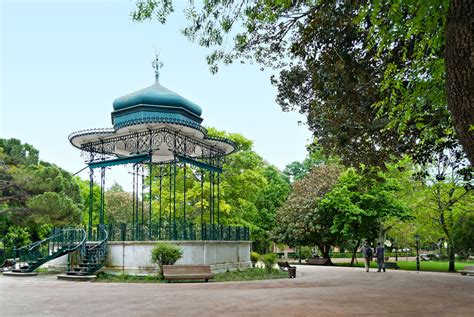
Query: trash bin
(292, 272)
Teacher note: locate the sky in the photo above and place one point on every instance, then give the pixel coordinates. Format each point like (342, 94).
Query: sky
(63, 63)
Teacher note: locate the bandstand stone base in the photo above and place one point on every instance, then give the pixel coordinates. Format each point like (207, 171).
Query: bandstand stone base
(19, 274)
(134, 257)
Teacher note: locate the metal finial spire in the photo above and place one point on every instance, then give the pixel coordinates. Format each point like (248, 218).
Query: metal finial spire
(157, 64)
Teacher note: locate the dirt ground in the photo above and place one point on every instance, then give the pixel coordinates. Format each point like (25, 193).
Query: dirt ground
(317, 291)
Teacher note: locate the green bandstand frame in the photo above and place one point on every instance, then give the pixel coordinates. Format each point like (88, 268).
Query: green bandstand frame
(157, 133)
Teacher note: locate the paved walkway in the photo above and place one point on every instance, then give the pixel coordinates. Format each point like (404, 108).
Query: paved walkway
(317, 291)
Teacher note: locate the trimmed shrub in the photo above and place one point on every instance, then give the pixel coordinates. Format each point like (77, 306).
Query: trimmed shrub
(254, 257)
(269, 260)
(305, 252)
(165, 254)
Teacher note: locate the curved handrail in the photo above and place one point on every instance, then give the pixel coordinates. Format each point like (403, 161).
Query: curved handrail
(99, 251)
(34, 244)
(59, 243)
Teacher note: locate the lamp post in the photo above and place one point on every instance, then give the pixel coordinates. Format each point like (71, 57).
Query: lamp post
(417, 240)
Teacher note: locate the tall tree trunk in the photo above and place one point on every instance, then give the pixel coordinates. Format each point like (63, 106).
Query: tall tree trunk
(325, 252)
(355, 252)
(459, 63)
(451, 256)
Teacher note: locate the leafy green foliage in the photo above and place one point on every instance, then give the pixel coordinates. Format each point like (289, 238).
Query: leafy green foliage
(84, 187)
(246, 275)
(463, 233)
(414, 78)
(370, 76)
(299, 220)
(33, 193)
(254, 258)
(17, 237)
(54, 208)
(360, 202)
(298, 170)
(250, 275)
(165, 254)
(440, 196)
(250, 192)
(269, 260)
(329, 208)
(305, 252)
(103, 277)
(16, 153)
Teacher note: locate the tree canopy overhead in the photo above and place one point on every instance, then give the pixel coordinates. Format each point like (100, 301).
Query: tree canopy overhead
(373, 77)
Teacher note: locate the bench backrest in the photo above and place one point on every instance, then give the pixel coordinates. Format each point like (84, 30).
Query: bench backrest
(469, 268)
(186, 269)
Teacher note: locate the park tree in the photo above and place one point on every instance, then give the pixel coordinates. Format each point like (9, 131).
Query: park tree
(463, 232)
(118, 207)
(404, 67)
(449, 197)
(361, 204)
(34, 195)
(440, 197)
(297, 170)
(300, 221)
(331, 206)
(436, 39)
(269, 199)
(251, 190)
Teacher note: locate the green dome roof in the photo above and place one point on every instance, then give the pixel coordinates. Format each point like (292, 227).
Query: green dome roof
(156, 95)
(155, 104)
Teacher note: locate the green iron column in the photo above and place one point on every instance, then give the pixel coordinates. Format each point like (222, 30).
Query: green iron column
(91, 202)
(211, 203)
(143, 195)
(170, 225)
(133, 202)
(150, 168)
(160, 220)
(184, 203)
(218, 205)
(174, 201)
(136, 203)
(202, 205)
(102, 196)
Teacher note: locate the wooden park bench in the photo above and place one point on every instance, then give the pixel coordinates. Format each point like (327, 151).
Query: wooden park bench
(391, 265)
(284, 266)
(468, 270)
(187, 272)
(8, 264)
(317, 261)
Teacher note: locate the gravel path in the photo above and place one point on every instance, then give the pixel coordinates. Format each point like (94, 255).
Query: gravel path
(317, 291)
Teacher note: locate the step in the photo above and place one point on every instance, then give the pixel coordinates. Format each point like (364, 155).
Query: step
(76, 278)
(20, 274)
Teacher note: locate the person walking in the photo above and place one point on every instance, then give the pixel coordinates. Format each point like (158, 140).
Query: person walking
(380, 254)
(367, 254)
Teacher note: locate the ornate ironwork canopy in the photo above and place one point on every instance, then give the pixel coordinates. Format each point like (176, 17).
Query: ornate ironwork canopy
(155, 126)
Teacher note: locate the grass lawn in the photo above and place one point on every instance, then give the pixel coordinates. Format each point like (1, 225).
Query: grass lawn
(434, 266)
(246, 275)
(250, 274)
(123, 278)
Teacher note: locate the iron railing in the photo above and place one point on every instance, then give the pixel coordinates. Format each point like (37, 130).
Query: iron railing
(176, 231)
(61, 241)
(98, 253)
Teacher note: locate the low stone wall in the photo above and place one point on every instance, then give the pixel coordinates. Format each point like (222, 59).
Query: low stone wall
(134, 257)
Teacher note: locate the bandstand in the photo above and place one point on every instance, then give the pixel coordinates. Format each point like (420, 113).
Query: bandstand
(158, 135)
